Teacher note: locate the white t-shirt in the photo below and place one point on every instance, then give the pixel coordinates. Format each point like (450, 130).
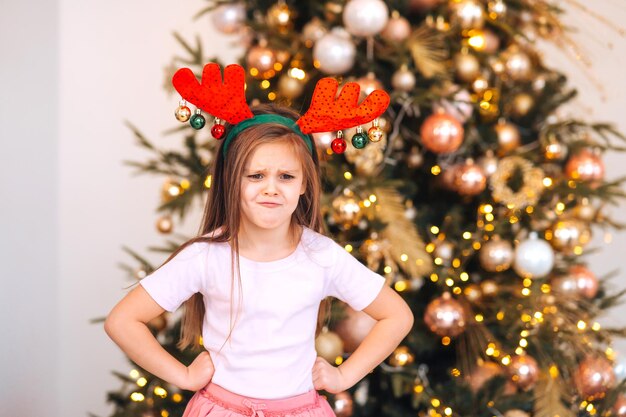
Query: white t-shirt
(272, 348)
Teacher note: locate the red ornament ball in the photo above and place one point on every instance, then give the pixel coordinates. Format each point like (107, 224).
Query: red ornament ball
(338, 145)
(218, 131)
(441, 133)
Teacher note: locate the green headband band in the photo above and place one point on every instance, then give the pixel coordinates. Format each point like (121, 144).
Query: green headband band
(262, 119)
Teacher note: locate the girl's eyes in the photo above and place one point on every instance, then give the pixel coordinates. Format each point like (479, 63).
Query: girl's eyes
(260, 176)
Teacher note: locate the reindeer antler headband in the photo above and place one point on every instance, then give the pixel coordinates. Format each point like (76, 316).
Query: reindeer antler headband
(226, 101)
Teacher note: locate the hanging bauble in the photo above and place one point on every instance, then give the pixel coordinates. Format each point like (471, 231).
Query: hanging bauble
(444, 250)
(489, 288)
(170, 190)
(489, 104)
(492, 42)
(579, 281)
(159, 323)
(473, 294)
(523, 370)
(328, 345)
(368, 84)
(522, 104)
(508, 136)
(229, 18)
(447, 177)
(338, 145)
(290, 87)
(313, 31)
(375, 133)
(496, 9)
(360, 139)
(468, 14)
(197, 121)
(568, 234)
(534, 257)
(619, 408)
(459, 106)
(518, 65)
(594, 376)
(401, 356)
(403, 79)
(466, 66)
(441, 133)
(365, 17)
(182, 113)
(334, 53)
(368, 159)
(353, 328)
(483, 373)
(584, 210)
(218, 129)
(445, 316)
(489, 163)
(414, 159)
(398, 28)
(555, 151)
(342, 404)
(280, 17)
(480, 84)
(422, 6)
(261, 58)
(165, 224)
(585, 165)
(346, 210)
(470, 179)
(496, 255)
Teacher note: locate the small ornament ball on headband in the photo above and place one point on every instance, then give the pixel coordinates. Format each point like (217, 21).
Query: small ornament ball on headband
(227, 101)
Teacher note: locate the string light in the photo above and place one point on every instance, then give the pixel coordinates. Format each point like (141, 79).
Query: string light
(208, 180)
(445, 340)
(137, 396)
(434, 230)
(347, 175)
(134, 374)
(404, 257)
(434, 277)
(142, 382)
(464, 276)
(348, 247)
(160, 392)
(435, 170)
(387, 269)
(372, 198)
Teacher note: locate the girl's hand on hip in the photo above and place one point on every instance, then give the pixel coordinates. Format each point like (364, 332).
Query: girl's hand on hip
(199, 373)
(327, 377)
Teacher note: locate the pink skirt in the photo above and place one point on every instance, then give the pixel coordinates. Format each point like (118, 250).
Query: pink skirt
(215, 401)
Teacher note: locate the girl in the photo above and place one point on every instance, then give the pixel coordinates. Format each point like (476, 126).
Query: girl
(253, 281)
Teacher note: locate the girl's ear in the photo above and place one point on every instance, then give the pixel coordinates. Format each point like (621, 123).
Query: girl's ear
(303, 188)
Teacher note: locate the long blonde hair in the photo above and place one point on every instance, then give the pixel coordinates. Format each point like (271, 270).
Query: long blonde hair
(222, 213)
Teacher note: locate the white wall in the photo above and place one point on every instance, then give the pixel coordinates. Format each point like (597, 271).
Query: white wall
(82, 68)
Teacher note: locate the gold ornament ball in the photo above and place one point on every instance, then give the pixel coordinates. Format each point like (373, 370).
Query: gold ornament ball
(470, 179)
(586, 281)
(397, 29)
(353, 328)
(480, 84)
(444, 250)
(473, 293)
(445, 316)
(567, 234)
(467, 66)
(496, 255)
(261, 58)
(182, 113)
(328, 345)
(584, 210)
(342, 404)
(403, 79)
(489, 288)
(523, 370)
(446, 179)
(619, 408)
(165, 224)
(170, 190)
(585, 166)
(492, 42)
(290, 87)
(415, 159)
(368, 84)
(280, 16)
(442, 133)
(497, 8)
(508, 137)
(522, 104)
(346, 211)
(594, 376)
(518, 64)
(489, 163)
(555, 151)
(401, 356)
(468, 14)
(313, 31)
(375, 134)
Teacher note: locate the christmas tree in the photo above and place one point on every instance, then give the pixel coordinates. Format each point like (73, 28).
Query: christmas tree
(473, 195)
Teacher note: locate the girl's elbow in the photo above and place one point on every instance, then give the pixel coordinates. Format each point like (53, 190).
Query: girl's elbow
(409, 319)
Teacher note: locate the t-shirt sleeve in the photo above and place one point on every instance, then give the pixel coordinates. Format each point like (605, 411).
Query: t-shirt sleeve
(351, 281)
(179, 279)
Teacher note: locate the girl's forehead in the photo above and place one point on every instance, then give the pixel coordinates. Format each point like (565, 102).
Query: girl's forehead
(277, 154)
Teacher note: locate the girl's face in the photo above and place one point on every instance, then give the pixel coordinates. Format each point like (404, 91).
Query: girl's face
(271, 187)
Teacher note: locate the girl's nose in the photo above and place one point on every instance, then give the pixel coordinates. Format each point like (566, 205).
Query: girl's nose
(270, 187)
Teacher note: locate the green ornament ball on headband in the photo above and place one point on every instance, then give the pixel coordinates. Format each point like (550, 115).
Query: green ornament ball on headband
(262, 119)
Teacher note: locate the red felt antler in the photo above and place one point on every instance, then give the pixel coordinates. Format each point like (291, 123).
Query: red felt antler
(226, 101)
(327, 114)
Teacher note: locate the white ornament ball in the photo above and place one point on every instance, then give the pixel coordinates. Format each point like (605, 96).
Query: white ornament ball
(534, 257)
(313, 31)
(397, 29)
(335, 52)
(365, 17)
(229, 18)
(460, 105)
(403, 79)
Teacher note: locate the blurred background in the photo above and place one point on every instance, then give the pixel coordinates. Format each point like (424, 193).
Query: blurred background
(72, 72)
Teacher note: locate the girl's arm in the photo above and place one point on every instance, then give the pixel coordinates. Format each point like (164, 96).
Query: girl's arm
(126, 325)
(394, 321)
